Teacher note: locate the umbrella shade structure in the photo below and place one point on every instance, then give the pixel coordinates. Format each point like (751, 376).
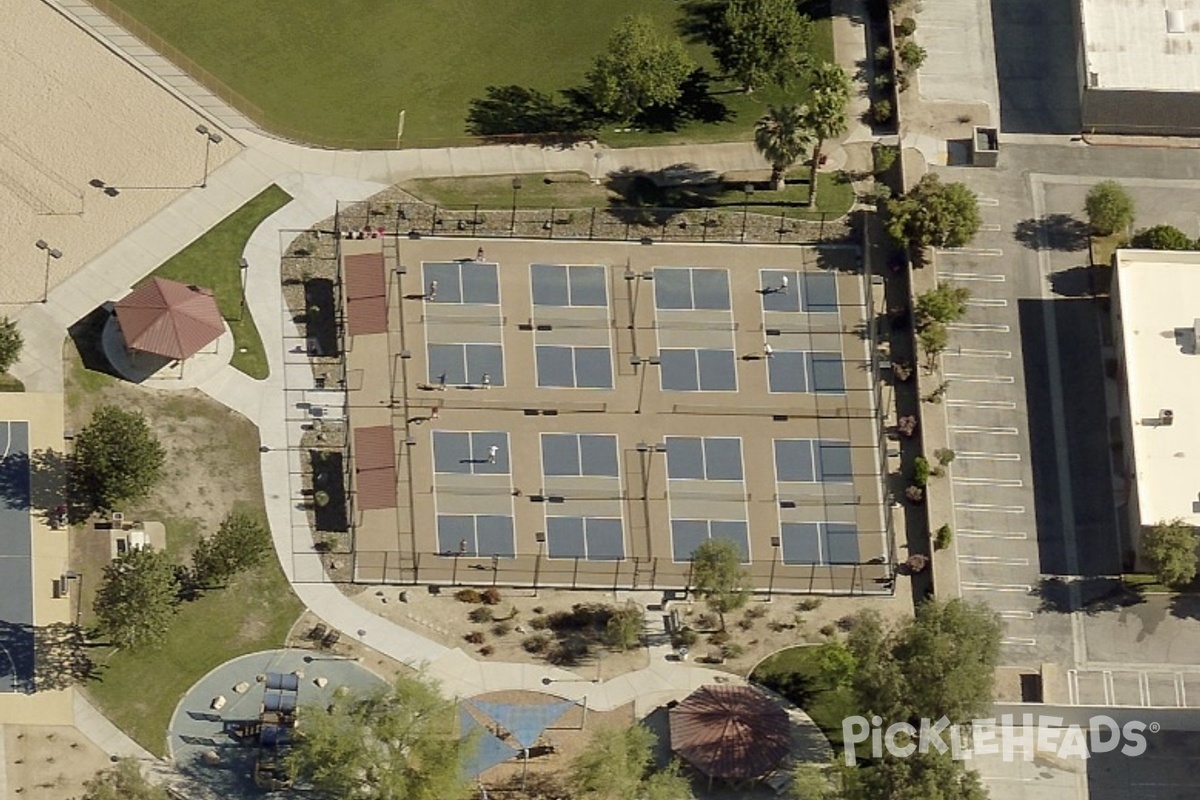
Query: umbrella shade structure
(733, 733)
(169, 318)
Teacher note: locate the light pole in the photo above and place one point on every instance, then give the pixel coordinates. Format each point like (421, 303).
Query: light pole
(774, 558)
(243, 268)
(747, 190)
(516, 187)
(210, 138)
(51, 252)
(647, 455)
(638, 361)
(76, 576)
(537, 565)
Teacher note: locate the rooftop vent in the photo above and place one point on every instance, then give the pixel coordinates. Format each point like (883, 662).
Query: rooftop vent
(1175, 22)
(1166, 417)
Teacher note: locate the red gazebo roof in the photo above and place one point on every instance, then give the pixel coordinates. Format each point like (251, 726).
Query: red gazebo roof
(730, 732)
(169, 318)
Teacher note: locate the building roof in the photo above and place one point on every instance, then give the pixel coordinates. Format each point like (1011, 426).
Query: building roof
(1159, 296)
(730, 732)
(169, 319)
(366, 293)
(1149, 45)
(374, 467)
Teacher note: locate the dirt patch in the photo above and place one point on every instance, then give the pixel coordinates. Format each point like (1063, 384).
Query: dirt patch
(50, 763)
(384, 666)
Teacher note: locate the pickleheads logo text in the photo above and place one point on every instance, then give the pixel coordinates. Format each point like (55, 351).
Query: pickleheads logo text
(1012, 739)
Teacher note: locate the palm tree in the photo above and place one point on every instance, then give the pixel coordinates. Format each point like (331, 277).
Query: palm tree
(826, 117)
(782, 136)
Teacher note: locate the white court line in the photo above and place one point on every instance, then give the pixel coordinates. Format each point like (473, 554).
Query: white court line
(1073, 687)
(983, 429)
(973, 533)
(988, 302)
(1109, 691)
(1015, 614)
(989, 507)
(1010, 588)
(974, 455)
(987, 201)
(975, 276)
(978, 326)
(1000, 404)
(973, 251)
(956, 377)
(1018, 641)
(1144, 688)
(997, 560)
(967, 352)
(1005, 483)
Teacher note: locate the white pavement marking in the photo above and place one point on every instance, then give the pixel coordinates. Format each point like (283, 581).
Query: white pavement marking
(961, 378)
(976, 455)
(1007, 483)
(1000, 561)
(989, 226)
(1073, 687)
(1006, 405)
(1009, 588)
(992, 508)
(1144, 688)
(975, 276)
(1019, 641)
(990, 252)
(993, 327)
(1015, 614)
(988, 302)
(987, 201)
(1180, 691)
(967, 352)
(1109, 692)
(975, 533)
(984, 430)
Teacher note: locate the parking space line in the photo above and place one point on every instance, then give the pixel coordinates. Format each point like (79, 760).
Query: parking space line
(984, 430)
(975, 533)
(967, 352)
(999, 404)
(988, 302)
(998, 509)
(975, 276)
(972, 455)
(993, 327)
(1018, 641)
(1073, 687)
(1109, 692)
(987, 201)
(998, 560)
(1144, 688)
(961, 378)
(1180, 690)
(1015, 614)
(990, 226)
(1008, 483)
(1009, 588)
(973, 251)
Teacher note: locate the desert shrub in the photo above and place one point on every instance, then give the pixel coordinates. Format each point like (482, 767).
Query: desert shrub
(907, 27)
(778, 626)
(707, 620)
(718, 637)
(943, 537)
(684, 637)
(540, 623)
(756, 612)
(537, 643)
(915, 494)
(733, 650)
(491, 596)
(539, 609)
(883, 54)
(828, 630)
(481, 614)
(944, 456)
(568, 654)
(486, 650)
(475, 637)
(881, 111)
(920, 470)
(746, 623)
(502, 628)
(907, 425)
(468, 596)
(808, 604)
(846, 622)
(917, 562)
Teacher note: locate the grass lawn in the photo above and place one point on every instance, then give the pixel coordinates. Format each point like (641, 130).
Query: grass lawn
(835, 194)
(794, 674)
(212, 262)
(317, 75)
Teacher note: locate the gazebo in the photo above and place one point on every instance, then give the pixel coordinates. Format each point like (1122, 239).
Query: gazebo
(731, 733)
(169, 319)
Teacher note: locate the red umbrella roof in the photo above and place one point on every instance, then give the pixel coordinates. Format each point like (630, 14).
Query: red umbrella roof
(169, 318)
(732, 732)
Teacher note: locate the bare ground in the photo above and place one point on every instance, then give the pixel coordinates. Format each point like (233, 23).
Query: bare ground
(49, 763)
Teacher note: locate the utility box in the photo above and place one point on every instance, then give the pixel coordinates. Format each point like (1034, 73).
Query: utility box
(985, 146)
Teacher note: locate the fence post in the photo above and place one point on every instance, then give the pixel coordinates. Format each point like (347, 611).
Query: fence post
(592, 225)
(550, 224)
(433, 221)
(782, 225)
(704, 226)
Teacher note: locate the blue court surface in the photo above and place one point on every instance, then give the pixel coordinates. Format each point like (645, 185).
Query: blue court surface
(470, 282)
(593, 538)
(574, 367)
(476, 535)
(466, 364)
(686, 288)
(819, 543)
(471, 453)
(688, 534)
(697, 370)
(805, 373)
(812, 461)
(568, 286)
(16, 561)
(808, 292)
(708, 458)
(571, 454)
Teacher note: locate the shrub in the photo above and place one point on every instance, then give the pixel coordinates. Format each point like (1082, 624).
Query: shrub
(733, 650)
(756, 612)
(321, 498)
(883, 156)
(539, 609)
(537, 643)
(746, 623)
(474, 637)
(707, 620)
(917, 562)
(776, 626)
(907, 425)
(540, 623)
(684, 637)
(567, 654)
(468, 596)
(502, 628)
(481, 614)
(942, 538)
(944, 456)
(828, 630)
(718, 637)
(1109, 208)
(486, 650)
(1162, 237)
(808, 604)
(881, 111)
(915, 494)
(906, 27)
(883, 54)
(920, 471)
(491, 596)
(912, 55)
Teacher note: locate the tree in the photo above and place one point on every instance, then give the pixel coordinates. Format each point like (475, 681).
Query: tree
(1109, 208)
(393, 743)
(617, 766)
(242, 542)
(137, 598)
(117, 457)
(945, 303)
(934, 214)
(1170, 549)
(826, 117)
(933, 339)
(1162, 237)
(624, 628)
(718, 576)
(11, 343)
(920, 776)
(762, 41)
(812, 782)
(123, 781)
(912, 55)
(781, 137)
(640, 67)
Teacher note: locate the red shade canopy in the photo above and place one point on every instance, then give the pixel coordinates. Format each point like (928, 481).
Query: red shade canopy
(169, 318)
(731, 732)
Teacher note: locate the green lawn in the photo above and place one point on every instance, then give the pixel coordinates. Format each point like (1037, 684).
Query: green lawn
(793, 673)
(212, 262)
(316, 74)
